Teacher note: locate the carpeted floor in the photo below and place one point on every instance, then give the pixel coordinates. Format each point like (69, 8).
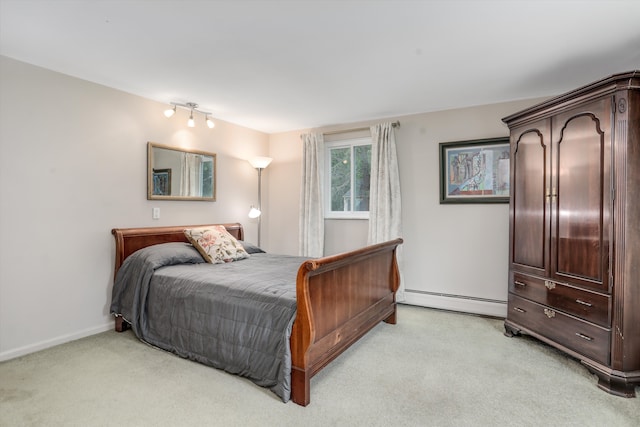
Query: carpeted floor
(434, 368)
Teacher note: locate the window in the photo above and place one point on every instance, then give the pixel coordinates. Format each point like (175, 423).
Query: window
(348, 176)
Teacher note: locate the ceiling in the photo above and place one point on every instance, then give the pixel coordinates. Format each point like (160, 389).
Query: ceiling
(276, 66)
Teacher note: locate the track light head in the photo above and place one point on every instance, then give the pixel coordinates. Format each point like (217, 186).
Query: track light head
(170, 112)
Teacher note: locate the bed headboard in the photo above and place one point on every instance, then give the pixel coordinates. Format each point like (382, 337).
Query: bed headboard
(129, 240)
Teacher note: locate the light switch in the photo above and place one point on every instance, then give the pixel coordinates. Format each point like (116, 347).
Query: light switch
(155, 213)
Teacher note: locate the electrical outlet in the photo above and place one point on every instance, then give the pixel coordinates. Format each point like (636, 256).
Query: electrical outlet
(155, 213)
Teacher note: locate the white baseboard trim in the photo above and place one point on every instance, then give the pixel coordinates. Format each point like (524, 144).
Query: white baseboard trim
(32, 348)
(456, 303)
(411, 297)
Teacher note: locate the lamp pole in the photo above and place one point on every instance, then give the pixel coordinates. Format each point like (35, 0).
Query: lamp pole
(259, 163)
(259, 201)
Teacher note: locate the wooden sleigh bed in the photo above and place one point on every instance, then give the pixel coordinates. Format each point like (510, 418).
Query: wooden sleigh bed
(338, 298)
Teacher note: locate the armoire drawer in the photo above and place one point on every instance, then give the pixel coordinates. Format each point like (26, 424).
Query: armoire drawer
(585, 338)
(587, 305)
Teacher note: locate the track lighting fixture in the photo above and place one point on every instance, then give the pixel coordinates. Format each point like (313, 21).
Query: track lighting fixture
(191, 106)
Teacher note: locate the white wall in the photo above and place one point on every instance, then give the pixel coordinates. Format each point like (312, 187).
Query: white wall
(72, 167)
(454, 256)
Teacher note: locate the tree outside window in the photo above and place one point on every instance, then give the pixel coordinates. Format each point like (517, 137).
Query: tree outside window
(349, 177)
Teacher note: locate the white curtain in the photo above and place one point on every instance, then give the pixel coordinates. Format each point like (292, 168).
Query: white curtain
(311, 241)
(190, 184)
(385, 203)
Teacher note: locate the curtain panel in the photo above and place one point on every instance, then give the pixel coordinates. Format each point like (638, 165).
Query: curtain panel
(311, 223)
(190, 184)
(385, 203)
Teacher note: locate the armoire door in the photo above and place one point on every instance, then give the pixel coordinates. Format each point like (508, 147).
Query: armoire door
(581, 196)
(529, 211)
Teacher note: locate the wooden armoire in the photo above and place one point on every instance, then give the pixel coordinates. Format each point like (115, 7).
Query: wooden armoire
(574, 227)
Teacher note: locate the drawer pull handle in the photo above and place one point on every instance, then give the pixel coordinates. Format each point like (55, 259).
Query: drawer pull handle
(549, 284)
(584, 337)
(550, 313)
(588, 304)
(519, 310)
(520, 283)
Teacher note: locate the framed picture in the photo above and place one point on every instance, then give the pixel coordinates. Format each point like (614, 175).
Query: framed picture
(475, 171)
(162, 182)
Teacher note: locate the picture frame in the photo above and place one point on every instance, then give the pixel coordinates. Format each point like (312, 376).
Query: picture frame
(475, 171)
(162, 182)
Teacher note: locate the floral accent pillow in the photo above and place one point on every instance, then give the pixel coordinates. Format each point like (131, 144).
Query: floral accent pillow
(215, 244)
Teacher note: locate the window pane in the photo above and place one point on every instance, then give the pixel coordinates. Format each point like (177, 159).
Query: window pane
(341, 179)
(207, 179)
(362, 178)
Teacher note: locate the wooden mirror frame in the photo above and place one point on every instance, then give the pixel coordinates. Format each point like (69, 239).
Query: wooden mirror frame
(171, 176)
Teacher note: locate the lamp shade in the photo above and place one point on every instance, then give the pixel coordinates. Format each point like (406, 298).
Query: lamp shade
(254, 213)
(260, 162)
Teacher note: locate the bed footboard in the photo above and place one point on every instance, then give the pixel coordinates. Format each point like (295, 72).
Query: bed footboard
(339, 299)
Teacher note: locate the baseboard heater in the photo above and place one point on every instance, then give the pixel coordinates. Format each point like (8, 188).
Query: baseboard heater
(463, 303)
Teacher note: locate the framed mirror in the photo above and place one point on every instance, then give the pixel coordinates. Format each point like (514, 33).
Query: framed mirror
(180, 174)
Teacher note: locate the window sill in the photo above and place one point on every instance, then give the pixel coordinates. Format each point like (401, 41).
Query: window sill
(333, 215)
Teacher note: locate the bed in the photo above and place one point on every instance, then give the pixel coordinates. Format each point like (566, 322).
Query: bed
(336, 299)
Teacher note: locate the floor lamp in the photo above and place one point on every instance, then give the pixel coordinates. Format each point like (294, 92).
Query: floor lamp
(259, 163)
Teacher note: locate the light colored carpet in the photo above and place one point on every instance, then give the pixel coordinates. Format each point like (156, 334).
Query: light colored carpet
(434, 368)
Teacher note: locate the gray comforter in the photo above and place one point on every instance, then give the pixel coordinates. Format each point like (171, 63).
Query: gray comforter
(235, 316)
